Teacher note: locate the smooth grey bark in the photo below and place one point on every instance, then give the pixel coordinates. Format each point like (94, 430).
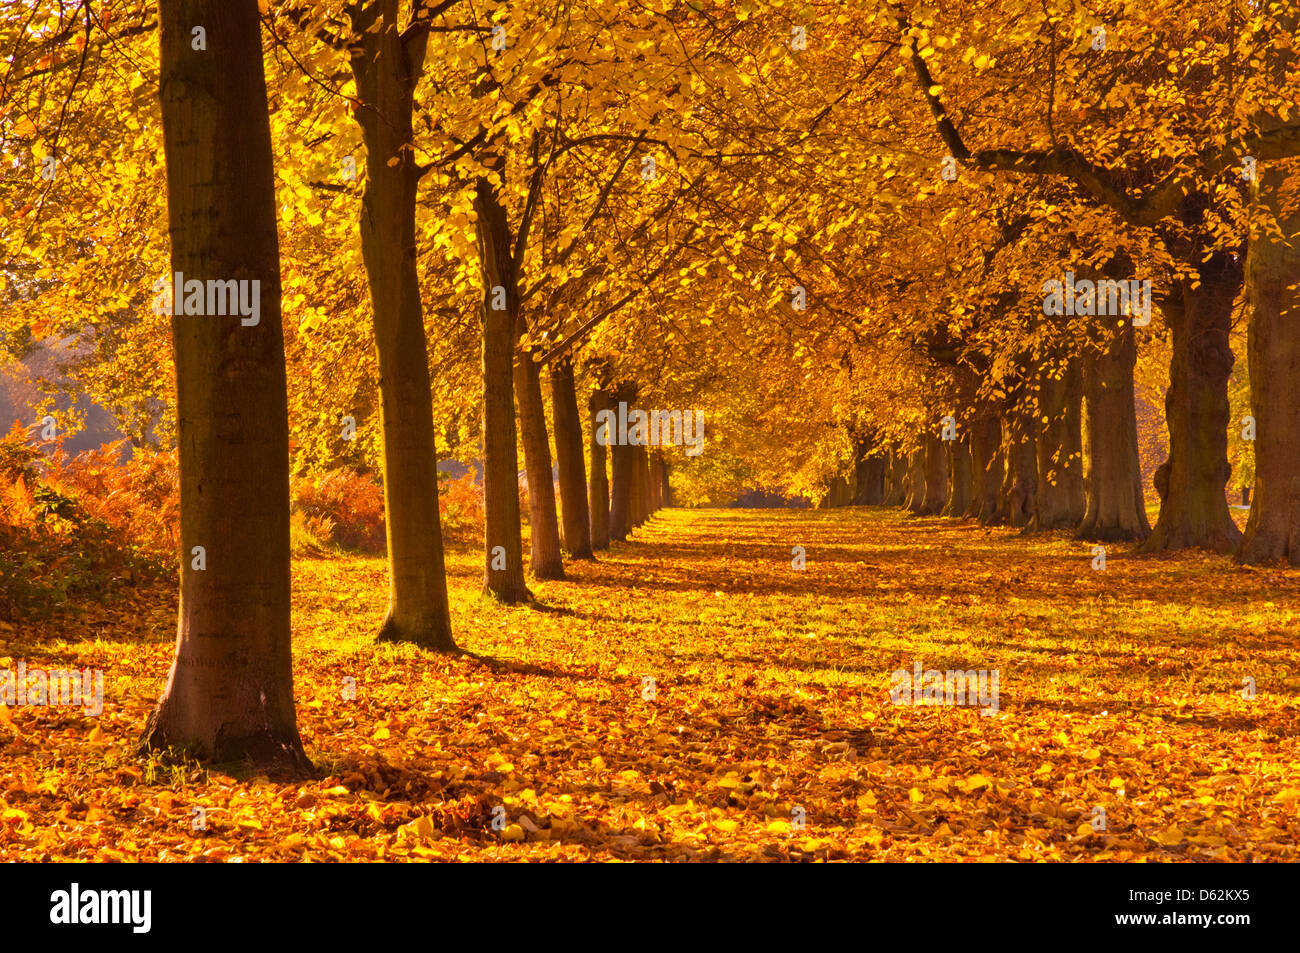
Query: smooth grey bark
(987, 466)
(1115, 508)
(544, 557)
(386, 64)
(916, 480)
(622, 473)
(961, 477)
(576, 520)
(1059, 499)
(1020, 480)
(503, 548)
(229, 693)
(1273, 349)
(598, 489)
(936, 476)
(1194, 504)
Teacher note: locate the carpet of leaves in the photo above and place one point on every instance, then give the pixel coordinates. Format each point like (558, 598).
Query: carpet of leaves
(769, 733)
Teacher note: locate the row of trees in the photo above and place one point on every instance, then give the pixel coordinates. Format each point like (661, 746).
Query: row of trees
(829, 226)
(232, 405)
(229, 694)
(1208, 219)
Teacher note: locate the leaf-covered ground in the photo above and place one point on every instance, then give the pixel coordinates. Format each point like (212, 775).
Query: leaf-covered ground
(1120, 689)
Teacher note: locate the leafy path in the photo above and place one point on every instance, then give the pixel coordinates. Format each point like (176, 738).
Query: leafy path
(1119, 689)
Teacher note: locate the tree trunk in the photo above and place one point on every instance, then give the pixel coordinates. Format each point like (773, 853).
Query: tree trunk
(869, 473)
(648, 492)
(839, 493)
(544, 558)
(874, 494)
(1059, 501)
(568, 455)
(961, 471)
(622, 468)
(229, 694)
(634, 516)
(936, 476)
(640, 486)
(916, 480)
(1273, 350)
(1020, 482)
(1194, 511)
(386, 71)
(665, 472)
(620, 492)
(656, 483)
(635, 485)
(987, 465)
(503, 556)
(896, 483)
(1115, 509)
(870, 489)
(598, 490)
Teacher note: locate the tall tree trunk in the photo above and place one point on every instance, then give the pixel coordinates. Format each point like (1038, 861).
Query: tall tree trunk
(620, 491)
(503, 548)
(544, 559)
(1273, 349)
(386, 69)
(598, 490)
(656, 483)
(229, 694)
(622, 468)
(647, 493)
(635, 485)
(839, 493)
(665, 473)
(870, 488)
(869, 472)
(987, 466)
(634, 490)
(961, 472)
(896, 482)
(640, 486)
(1116, 509)
(916, 480)
(568, 456)
(936, 476)
(874, 478)
(857, 477)
(1020, 483)
(1060, 499)
(1194, 511)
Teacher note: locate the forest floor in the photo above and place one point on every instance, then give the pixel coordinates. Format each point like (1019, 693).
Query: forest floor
(768, 732)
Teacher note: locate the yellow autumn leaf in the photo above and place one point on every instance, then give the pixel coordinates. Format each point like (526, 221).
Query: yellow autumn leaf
(421, 827)
(1169, 837)
(974, 783)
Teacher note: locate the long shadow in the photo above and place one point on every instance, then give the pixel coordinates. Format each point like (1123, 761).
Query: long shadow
(901, 567)
(516, 667)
